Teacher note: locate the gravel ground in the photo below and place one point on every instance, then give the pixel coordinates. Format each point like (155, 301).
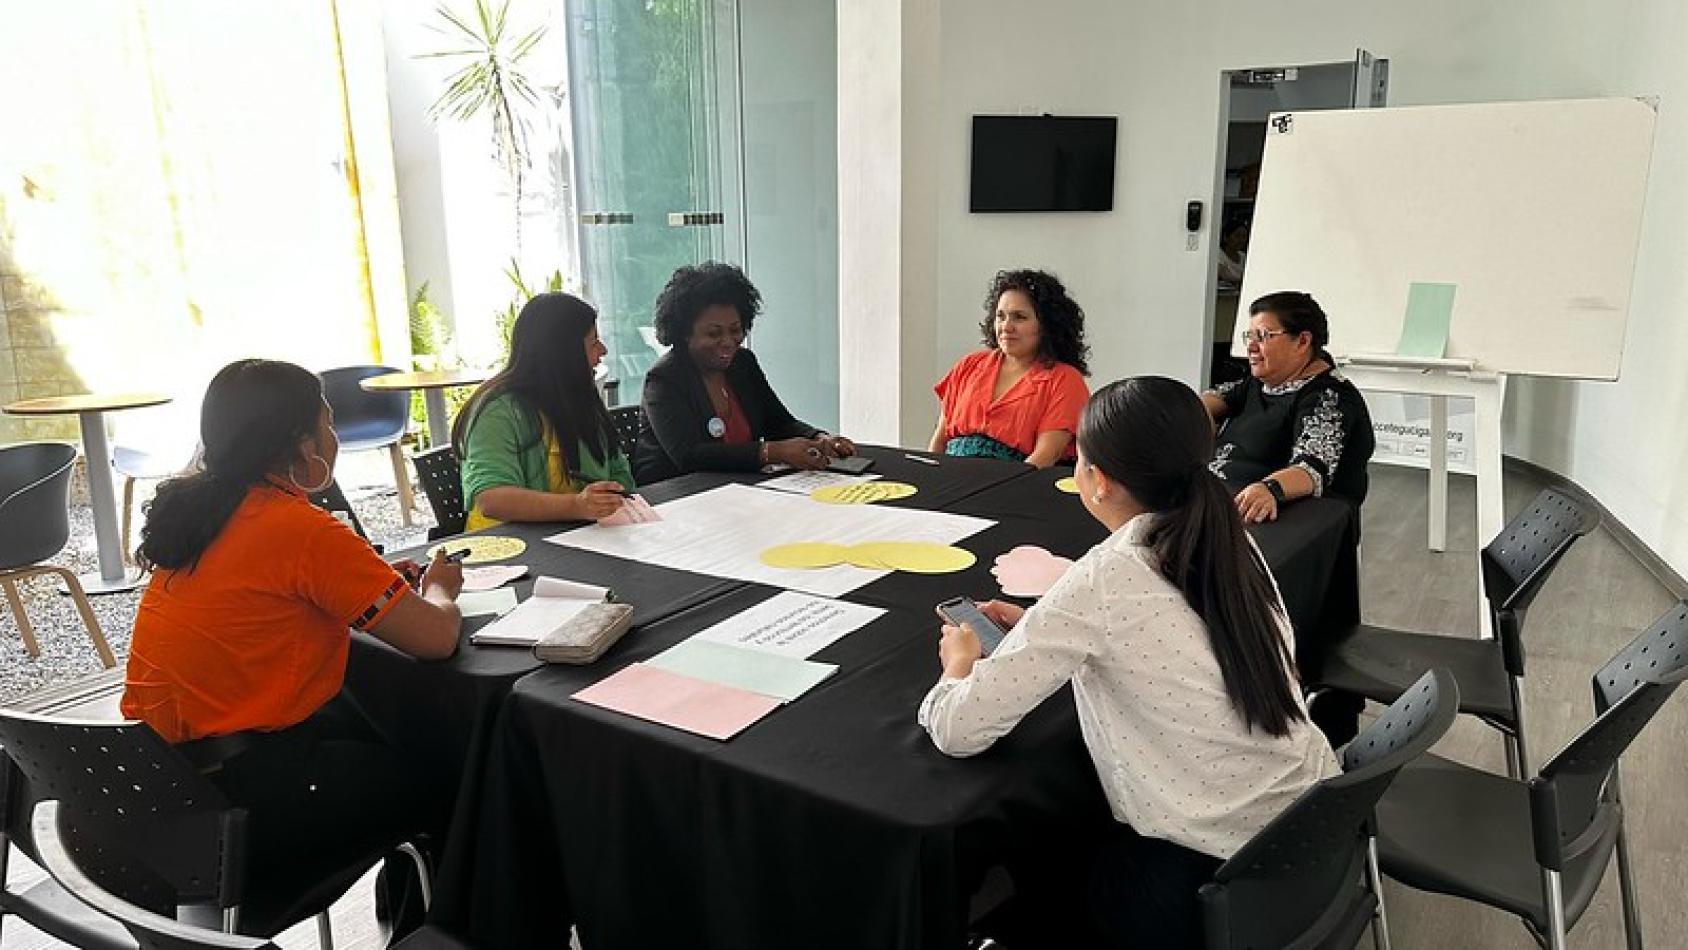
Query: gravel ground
(67, 654)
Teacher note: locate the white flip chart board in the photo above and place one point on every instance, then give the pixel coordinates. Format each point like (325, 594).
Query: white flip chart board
(1533, 209)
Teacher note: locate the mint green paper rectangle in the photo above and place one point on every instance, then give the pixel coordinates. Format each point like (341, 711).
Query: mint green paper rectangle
(781, 677)
(497, 602)
(1430, 310)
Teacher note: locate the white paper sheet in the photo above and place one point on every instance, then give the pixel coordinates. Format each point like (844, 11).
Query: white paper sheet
(721, 532)
(497, 601)
(791, 624)
(554, 602)
(802, 483)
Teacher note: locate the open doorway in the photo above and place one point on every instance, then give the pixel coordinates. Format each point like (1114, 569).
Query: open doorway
(1248, 97)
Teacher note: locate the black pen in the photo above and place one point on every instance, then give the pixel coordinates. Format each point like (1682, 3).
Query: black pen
(458, 555)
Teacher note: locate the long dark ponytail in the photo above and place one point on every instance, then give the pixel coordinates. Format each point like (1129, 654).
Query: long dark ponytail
(254, 415)
(549, 375)
(1152, 436)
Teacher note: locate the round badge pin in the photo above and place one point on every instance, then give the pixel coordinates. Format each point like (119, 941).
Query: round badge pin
(717, 428)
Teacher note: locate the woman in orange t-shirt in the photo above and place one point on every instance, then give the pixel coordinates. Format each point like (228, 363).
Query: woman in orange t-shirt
(244, 630)
(1019, 398)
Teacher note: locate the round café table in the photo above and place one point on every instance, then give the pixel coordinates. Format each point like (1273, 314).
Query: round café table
(90, 410)
(433, 383)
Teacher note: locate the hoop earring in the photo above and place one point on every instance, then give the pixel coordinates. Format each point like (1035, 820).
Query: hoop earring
(327, 476)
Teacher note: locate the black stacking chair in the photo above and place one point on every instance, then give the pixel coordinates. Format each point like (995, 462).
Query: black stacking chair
(154, 931)
(1309, 879)
(1378, 662)
(1539, 848)
(45, 905)
(442, 481)
(629, 422)
(141, 820)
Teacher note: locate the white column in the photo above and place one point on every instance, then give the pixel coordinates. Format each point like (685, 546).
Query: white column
(887, 218)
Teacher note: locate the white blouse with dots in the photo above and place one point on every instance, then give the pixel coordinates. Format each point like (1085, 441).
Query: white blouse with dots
(1175, 758)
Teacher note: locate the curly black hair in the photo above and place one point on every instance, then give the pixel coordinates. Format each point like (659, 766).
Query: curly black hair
(692, 290)
(1060, 319)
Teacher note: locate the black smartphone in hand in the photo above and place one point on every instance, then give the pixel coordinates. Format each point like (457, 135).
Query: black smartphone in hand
(962, 610)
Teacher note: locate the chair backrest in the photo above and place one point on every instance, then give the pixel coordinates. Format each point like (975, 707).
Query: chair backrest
(136, 814)
(629, 422)
(334, 501)
(34, 501)
(1517, 562)
(151, 931)
(1301, 880)
(1569, 805)
(363, 416)
(442, 481)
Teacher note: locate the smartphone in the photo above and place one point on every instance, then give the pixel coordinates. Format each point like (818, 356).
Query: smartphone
(850, 464)
(962, 610)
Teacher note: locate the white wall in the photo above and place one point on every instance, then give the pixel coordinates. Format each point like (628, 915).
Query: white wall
(1157, 67)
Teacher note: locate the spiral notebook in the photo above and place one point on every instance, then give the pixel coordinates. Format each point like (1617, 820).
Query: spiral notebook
(553, 603)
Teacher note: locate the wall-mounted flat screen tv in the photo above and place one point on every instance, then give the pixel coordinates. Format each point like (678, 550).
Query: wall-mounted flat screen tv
(1043, 163)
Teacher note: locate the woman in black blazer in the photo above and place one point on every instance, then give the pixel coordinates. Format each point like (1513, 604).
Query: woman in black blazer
(708, 403)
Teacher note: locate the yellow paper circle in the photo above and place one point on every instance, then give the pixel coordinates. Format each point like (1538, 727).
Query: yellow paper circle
(1068, 485)
(870, 555)
(861, 493)
(805, 554)
(482, 548)
(920, 557)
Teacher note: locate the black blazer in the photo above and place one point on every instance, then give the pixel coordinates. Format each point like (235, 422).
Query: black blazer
(676, 439)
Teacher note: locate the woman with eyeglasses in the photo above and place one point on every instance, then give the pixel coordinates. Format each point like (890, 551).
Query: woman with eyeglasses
(1295, 428)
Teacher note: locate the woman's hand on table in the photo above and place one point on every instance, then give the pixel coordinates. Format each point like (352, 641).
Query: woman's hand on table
(840, 446)
(442, 577)
(599, 500)
(800, 453)
(1002, 613)
(1256, 504)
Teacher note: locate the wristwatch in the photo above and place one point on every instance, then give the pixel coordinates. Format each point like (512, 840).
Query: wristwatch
(1276, 489)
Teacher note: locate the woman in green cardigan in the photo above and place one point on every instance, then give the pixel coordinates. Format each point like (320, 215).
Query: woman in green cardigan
(536, 442)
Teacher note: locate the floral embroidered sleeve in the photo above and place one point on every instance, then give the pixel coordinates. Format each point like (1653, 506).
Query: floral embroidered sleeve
(1320, 435)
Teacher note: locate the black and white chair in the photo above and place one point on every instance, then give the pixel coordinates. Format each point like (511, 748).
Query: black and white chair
(1378, 663)
(152, 931)
(1309, 879)
(629, 422)
(1540, 848)
(139, 818)
(441, 476)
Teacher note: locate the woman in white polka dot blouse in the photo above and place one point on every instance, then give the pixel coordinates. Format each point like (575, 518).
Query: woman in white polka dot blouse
(1177, 645)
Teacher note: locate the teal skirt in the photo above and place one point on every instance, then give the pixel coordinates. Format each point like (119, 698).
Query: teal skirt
(982, 446)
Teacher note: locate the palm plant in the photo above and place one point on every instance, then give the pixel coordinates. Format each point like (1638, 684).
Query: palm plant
(491, 81)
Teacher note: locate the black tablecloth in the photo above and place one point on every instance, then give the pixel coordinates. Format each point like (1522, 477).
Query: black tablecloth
(441, 713)
(833, 822)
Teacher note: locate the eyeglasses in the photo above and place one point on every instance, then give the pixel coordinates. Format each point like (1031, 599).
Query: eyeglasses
(1261, 336)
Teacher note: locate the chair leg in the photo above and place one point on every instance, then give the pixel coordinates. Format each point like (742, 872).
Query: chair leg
(1555, 909)
(1380, 918)
(1518, 754)
(1626, 876)
(422, 875)
(324, 931)
(401, 478)
(231, 919)
(128, 510)
(30, 645)
(90, 621)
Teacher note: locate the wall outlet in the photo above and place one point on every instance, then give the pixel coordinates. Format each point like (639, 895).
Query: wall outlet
(1192, 242)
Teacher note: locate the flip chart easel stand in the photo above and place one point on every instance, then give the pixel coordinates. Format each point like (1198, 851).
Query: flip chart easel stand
(1439, 379)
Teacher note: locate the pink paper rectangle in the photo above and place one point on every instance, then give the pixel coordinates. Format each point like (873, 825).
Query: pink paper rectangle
(634, 510)
(708, 709)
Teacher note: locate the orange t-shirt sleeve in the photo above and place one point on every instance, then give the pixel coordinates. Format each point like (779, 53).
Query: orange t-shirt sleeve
(344, 577)
(1066, 401)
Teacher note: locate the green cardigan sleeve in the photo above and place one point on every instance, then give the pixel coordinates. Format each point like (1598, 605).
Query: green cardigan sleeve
(502, 448)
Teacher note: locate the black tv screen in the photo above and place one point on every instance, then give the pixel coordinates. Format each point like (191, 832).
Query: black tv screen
(1042, 163)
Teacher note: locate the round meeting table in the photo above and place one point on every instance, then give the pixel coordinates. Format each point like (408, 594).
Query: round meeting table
(90, 409)
(433, 383)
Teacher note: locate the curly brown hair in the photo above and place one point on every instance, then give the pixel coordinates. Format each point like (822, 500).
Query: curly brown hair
(1060, 319)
